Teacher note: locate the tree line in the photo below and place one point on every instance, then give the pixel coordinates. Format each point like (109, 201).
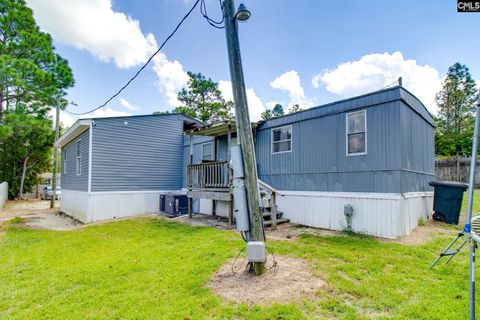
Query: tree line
(33, 78)
(202, 99)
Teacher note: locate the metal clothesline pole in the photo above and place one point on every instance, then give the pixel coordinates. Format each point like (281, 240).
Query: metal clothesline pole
(468, 223)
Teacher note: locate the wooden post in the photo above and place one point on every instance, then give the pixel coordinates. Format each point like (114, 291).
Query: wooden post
(244, 129)
(190, 161)
(273, 210)
(55, 156)
(229, 157)
(213, 175)
(229, 141)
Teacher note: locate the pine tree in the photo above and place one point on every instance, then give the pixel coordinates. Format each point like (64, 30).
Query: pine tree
(32, 79)
(456, 105)
(203, 100)
(31, 73)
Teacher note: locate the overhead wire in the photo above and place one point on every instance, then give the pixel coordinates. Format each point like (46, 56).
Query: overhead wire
(213, 23)
(143, 66)
(203, 11)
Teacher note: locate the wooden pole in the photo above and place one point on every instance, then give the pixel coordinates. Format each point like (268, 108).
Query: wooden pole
(214, 202)
(55, 156)
(273, 212)
(190, 161)
(229, 158)
(244, 129)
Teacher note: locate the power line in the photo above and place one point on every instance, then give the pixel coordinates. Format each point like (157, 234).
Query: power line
(213, 23)
(143, 67)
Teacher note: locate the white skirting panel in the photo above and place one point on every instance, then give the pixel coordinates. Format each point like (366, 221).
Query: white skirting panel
(389, 215)
(76, 204)
(97, 206)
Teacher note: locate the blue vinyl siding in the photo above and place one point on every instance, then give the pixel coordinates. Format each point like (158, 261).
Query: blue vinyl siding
(319, 161)
(400, 147)
(70, 180)
(400, 154)
(144, 154)
(418, 150)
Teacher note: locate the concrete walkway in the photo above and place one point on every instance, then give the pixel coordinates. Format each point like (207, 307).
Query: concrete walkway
(36, 214)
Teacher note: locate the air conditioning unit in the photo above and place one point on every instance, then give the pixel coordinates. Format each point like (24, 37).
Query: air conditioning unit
(174, 204)
(162, 202)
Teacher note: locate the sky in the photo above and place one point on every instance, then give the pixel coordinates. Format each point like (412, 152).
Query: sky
(309, 52)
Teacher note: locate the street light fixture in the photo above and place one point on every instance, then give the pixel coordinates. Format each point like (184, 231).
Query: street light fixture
(242, 13)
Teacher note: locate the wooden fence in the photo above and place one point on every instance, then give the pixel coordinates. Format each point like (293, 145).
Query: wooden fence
(3, 193)
(456, 169)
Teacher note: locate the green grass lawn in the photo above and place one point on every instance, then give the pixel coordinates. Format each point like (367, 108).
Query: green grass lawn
(156, 269)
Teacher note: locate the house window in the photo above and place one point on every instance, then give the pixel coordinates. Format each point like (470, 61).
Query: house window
(65, 161)
(282, 139)
(357, 133)
(79, 158)
(207, 151)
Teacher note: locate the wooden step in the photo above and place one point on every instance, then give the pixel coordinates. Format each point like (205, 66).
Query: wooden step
(279, 221)
(269, 214)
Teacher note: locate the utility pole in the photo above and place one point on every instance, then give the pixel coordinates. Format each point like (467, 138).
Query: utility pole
(244, 129)
(55, 155)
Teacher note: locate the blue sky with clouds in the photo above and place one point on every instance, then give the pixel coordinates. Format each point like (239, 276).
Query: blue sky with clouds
(306, 52)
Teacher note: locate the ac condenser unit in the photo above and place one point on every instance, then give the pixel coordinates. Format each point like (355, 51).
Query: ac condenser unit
(174, 204)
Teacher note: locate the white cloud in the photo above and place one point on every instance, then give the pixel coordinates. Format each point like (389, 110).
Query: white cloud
(171, 77)
(105, 113)
(255, 105)
(127, 105)
(375, 71)
(94, 26)
(290, 82)
(109, 36)
(65, 119)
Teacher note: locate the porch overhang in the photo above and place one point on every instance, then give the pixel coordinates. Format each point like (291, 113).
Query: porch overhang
(78, 128)
(217, 129)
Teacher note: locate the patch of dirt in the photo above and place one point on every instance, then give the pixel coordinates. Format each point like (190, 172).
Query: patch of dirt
(204, 220)
(36, 214)
(285, 231)
(291, 232)
(422, 234)
(291, 280)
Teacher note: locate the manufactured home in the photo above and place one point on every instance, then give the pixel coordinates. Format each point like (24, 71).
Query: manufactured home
(372, 154)
(117, 167)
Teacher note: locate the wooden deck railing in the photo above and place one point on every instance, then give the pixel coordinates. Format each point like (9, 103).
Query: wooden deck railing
(208, 175)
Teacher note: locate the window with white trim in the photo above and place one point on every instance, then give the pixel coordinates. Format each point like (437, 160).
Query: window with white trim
(79, 158)
(65, 161)
(357, 133)
(207, 151)
(282, 139)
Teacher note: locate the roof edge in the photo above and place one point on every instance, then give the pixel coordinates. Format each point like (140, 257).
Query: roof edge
(147, 115)
(399, 94)
(74, 131)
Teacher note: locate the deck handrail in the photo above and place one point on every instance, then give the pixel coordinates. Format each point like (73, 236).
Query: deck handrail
(208, 175)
